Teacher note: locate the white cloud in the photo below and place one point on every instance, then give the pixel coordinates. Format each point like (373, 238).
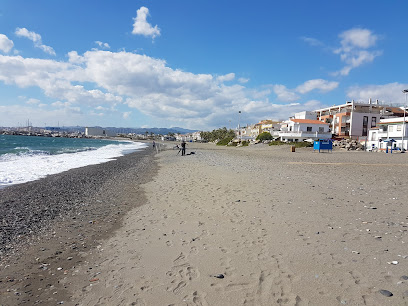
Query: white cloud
(226, 77)
(5, 44)
(353, 51)
(284, 94)
(102, 44)
(11, 115)
(388, 93)
(312, 41)
(319, 84)
(106, 83)
(243, 80)
(54, 78)
(141, 26)
(74, 58)
(357, 38)
(93, 113)
(33, 101)
(36, 39)
(126, 115)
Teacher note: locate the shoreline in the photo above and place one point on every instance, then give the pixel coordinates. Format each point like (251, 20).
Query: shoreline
(62, 215)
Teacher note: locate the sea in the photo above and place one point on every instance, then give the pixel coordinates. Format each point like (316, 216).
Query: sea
(29, 158)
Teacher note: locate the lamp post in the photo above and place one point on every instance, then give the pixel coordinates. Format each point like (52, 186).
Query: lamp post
(239, 126)
(405, 91)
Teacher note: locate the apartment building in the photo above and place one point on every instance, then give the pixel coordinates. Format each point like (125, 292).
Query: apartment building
(352, 119)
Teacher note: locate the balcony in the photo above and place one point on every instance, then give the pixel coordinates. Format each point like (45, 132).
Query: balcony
(302, 134)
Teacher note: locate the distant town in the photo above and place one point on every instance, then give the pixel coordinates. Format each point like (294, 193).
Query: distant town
(372, 125)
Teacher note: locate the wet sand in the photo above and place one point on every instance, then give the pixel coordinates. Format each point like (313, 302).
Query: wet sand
(250, 226)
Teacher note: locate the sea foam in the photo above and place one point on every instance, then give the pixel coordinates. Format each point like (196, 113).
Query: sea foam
(17, 169)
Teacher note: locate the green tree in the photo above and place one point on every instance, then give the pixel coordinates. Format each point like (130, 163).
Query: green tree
(264, 136)
(218, 134)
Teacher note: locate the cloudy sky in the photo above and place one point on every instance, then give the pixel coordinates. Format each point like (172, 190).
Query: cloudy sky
(195, 64)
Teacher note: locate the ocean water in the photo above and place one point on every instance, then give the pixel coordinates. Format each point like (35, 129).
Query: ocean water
(28, 158)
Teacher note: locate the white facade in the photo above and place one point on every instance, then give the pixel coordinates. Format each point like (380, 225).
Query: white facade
(303, 129)
(306, 115)
(97, 131)
(389, 129)
(352, 119)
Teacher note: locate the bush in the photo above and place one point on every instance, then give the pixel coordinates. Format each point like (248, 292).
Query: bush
(224, 141)
(277, 143)
(301, 144)
(245, 143)
(264, 136)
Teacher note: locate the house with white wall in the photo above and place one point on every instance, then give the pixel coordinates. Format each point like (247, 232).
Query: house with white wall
(392, 132)
(303, 129)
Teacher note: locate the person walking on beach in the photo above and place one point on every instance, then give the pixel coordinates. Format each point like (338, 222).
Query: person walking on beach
(183, 148)
(154, 144)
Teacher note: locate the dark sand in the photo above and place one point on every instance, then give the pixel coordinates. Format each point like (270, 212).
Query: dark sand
(47, 224)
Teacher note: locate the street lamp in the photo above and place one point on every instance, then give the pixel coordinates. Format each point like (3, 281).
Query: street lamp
(405, 91)
(239, 126)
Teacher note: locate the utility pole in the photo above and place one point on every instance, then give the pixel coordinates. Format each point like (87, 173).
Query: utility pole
(405, 91)
(239, 126)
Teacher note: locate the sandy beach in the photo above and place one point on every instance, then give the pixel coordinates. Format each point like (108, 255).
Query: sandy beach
(256, 225)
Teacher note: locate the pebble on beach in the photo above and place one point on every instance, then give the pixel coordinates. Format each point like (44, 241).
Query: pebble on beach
(386, 293)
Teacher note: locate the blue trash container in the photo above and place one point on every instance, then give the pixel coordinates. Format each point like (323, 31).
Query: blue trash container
(323, 144)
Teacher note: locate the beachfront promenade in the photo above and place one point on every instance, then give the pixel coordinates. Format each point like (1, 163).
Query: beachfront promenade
(255, 225)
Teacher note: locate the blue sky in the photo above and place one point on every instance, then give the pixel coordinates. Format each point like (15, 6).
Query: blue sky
(195, 64)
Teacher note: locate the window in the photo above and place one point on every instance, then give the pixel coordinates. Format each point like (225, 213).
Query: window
(399, 128)
(390, 128)
(321, 129)
(365, 124)
(309, 129)
(373, 121)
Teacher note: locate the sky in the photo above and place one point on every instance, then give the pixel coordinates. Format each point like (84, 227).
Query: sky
(199, 64)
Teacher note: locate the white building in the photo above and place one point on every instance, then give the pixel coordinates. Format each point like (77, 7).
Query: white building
(391, 132)
(306, 115)
(352, 119)
(97, 131)
(303, 129)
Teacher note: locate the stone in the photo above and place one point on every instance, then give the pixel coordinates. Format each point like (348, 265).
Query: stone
(386, 293)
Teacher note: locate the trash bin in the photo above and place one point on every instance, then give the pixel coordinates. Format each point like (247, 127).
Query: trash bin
(292, 148)
(323, 145)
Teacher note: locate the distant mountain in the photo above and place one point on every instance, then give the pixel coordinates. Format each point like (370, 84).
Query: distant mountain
(183, 131)
(157, 131)
(163, 131)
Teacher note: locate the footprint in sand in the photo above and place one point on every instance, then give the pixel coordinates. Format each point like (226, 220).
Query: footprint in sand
(179, 259)
(178, 288)
(194, 250)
